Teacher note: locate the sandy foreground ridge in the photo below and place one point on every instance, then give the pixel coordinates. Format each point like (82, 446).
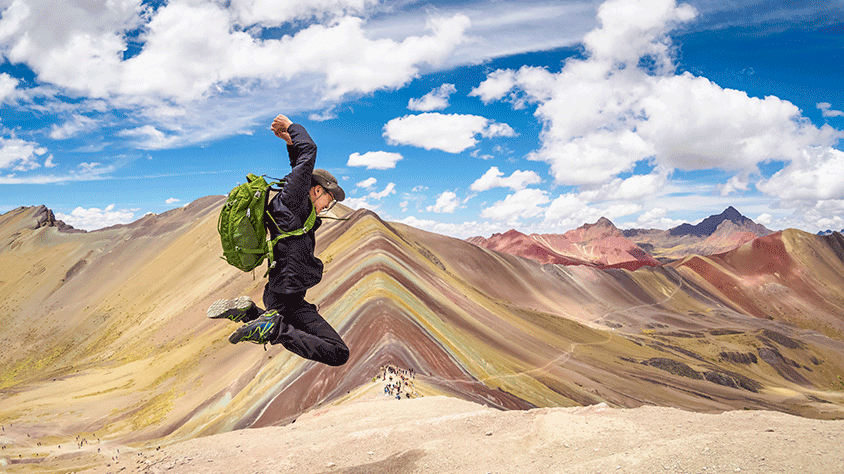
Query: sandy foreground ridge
(438, 434)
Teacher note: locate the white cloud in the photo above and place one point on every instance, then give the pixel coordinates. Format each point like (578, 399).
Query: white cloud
(631, 29)
(182, 35)
(195, 58)
(494, 178)
(447, 202)
(437, 99)
(739, 182)
(461, 230)
(764, 219)
(148, 137)
(574, 209)
(172, 201)
(828, 111)
(526, 203)
(7, 86)
(814, 175)
(626, 113)
(390, 189)
(633, 188)
(498, 85)
(271, 12)
(322, 116)
(95, 218)
(564, 207)
(366, 201)
(656, 219)
(19, 155)
(451, 133)
(368, 183)
(74, 126)
(375, 160)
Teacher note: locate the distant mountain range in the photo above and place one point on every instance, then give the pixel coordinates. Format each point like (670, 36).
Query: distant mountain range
(603, 245)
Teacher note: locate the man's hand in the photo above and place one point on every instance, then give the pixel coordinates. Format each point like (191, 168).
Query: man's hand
(279, 127)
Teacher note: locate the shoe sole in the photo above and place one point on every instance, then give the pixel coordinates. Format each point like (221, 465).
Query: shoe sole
(234, 309)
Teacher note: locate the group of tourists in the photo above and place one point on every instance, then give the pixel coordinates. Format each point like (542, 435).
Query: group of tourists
(399, 382)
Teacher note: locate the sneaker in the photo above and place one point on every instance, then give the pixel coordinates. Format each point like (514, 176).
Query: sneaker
(258, 331)
(238, 309)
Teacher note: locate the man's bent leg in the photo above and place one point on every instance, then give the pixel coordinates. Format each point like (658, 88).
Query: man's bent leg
(304, 332)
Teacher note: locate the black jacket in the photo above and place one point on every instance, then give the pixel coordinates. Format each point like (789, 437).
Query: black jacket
(296, 268)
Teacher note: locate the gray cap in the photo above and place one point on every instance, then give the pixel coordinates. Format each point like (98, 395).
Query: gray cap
(329, 182)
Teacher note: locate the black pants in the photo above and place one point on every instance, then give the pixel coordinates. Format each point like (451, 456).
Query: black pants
(303, 331)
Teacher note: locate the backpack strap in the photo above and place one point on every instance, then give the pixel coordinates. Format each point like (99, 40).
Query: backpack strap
(309, 224)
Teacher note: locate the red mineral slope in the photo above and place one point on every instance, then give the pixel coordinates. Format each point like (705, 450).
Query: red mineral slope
(600, 244)
(790, 276)
(516, 243)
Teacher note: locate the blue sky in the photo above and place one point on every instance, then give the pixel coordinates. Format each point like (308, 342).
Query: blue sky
(462, 118)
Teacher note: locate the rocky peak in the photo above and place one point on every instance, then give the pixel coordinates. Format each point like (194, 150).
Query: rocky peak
(604, 222)
(708, 226)
(44, 217)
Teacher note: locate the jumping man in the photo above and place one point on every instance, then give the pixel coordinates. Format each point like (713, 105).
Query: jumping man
(289, 320)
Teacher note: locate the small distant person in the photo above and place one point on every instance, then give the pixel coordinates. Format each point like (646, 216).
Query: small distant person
(289, 320)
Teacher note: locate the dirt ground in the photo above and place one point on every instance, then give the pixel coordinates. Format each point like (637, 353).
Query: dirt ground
(379, 434)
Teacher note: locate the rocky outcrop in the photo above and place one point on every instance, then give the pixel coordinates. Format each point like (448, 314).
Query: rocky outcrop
(45, 218)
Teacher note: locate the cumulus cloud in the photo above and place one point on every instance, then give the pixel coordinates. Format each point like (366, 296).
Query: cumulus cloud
(462, 229)
(271, 13)
(814, 175)
(367, 201)
(368, 183)
(437, 99)
(179, 37)
(573, 209)
(656, 219)
(7, 86)
(739, 182)
(451, 133)
(148, 137)
(211, 59)
(494, 178)
(523, 204)
(172, 200)
(764, 219)
(375, 160)
(74, 126)
(20, 155)
(95, 218)
(828, 111)
(632, 106)
(446, 203)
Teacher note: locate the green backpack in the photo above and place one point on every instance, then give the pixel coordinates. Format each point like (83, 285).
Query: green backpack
(242, 228)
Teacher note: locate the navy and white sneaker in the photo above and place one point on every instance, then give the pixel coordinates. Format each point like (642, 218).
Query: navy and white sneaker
(239, 310)
(259, 331)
